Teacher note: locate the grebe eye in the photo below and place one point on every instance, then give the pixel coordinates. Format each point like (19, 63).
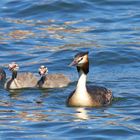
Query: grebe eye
(80, 59)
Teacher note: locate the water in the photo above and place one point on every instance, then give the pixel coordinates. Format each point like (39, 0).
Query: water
(51, 32)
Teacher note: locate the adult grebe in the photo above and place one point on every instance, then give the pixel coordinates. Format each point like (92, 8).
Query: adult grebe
(83, 95)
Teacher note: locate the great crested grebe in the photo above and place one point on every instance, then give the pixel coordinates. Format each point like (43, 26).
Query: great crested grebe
(20, 80)
(2, 74)
(51, 80)
(83, 95)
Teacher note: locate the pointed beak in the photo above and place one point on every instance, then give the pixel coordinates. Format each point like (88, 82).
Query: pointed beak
(73, 63)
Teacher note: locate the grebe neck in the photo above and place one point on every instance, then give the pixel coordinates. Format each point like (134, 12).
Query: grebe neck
(81, 85)
(43, 77)
(14, 75)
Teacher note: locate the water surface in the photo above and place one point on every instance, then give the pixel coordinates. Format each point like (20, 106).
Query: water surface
(51, 32)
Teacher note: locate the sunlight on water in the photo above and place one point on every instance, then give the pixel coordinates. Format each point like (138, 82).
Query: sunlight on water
(50, 33)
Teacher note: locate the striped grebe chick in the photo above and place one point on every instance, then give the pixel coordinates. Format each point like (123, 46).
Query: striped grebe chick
(20, 80)
(51, 80)
(83, 95)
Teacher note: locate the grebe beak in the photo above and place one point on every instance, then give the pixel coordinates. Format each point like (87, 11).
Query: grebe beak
(73, 63)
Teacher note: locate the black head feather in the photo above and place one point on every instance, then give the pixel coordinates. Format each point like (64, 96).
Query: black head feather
(80, 54)
(85, 67)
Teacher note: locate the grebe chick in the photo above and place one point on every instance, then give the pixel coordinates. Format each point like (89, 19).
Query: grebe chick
(2, 74)
(51, 80)
(83, 95)
(20, 80)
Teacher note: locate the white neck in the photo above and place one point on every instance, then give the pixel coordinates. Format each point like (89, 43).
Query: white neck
(81, 85)
(15, 84)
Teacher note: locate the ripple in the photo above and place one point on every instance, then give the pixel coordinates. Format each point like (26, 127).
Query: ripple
(20, 34)
(50, 33)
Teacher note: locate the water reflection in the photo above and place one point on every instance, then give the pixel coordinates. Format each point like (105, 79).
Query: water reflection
(5, 104)
(81, 114)
(50, 33)
(32, 116)
(21, 34)
(14, 92)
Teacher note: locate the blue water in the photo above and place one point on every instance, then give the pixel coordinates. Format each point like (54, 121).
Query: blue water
(51, 32)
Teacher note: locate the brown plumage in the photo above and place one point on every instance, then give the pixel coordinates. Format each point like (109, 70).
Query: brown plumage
(2, 74)
(51, 80)
(83, 95)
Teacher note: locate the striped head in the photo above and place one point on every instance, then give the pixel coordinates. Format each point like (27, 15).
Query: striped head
(13, 67)
(81, 61)
(43, 70)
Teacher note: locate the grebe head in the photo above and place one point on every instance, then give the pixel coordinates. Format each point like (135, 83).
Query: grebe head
(80, 59)
(43, 70)
(13, 67)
